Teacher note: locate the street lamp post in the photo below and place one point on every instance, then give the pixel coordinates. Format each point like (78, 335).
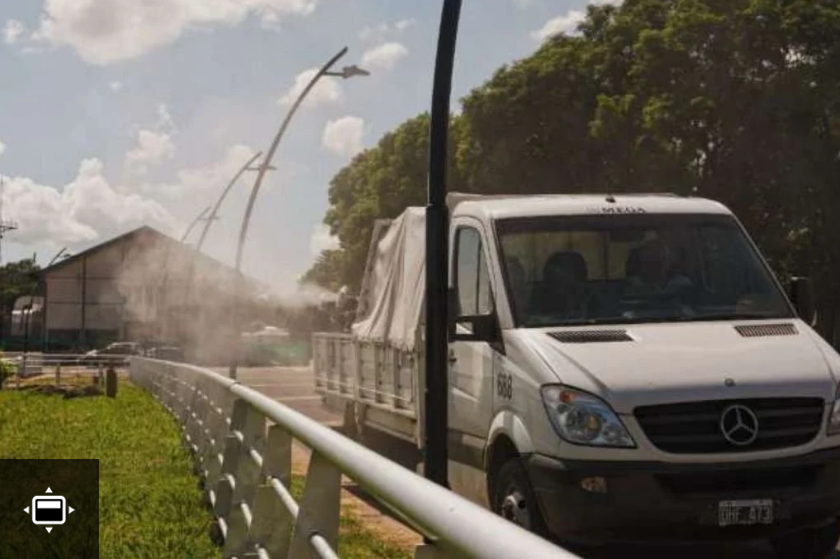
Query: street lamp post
(208, 222)
(194, 222)
(346, 73)
(215, 211)
(437, 255)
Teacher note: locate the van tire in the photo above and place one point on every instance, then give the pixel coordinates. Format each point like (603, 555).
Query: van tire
(811, 543)
(513, 497)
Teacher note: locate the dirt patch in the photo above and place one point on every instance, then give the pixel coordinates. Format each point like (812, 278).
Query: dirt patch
(67, 391)
(383, 526)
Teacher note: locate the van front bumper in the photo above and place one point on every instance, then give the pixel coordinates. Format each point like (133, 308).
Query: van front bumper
(679, 502)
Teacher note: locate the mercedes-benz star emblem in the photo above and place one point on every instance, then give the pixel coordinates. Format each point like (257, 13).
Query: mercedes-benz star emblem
(739, 425)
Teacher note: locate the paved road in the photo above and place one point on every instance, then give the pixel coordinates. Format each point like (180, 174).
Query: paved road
(295, 387)
(292, 386)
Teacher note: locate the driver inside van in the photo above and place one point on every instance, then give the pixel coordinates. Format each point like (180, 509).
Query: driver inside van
(651, 270)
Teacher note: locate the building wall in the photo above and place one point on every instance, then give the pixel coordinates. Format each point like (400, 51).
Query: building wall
(145, 286)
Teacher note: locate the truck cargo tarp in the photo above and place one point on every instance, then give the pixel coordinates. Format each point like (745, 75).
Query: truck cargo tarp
(396, 284)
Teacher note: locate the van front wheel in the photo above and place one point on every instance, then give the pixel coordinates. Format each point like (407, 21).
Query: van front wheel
(513, 497)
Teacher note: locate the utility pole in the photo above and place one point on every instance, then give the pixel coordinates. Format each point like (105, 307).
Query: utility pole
(5, 227)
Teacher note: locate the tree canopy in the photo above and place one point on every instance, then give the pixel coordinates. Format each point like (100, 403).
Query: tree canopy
(17, 279)
(735, 100)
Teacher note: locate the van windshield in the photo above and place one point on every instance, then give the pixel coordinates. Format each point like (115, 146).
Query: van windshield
(574, 270)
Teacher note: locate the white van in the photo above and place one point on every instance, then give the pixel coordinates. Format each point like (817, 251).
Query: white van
(622, 368)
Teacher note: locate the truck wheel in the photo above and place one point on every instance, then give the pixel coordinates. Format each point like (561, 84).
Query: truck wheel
(514, 499)
(812, 543)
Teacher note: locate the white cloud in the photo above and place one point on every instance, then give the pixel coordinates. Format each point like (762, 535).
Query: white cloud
(2, 148)
(383, 31)
(164, 121)
(115, 86)
(209, 178)
(152, 148)
(87, 209)
(567, 23)
(13, 31)
(384, 57)
(326, 92)
(344, 136)
(404, 24)
(322, 240)
(107, 31)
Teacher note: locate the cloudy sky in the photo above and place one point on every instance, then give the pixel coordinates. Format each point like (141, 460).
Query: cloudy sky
(118, 113)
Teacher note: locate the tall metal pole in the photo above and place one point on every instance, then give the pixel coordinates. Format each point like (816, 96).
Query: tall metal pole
(215, 211)
(243, 232)
(208, 222)
(194, 222)
(436, 419)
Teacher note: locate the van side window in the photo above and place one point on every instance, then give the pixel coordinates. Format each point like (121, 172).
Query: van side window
(472, 279)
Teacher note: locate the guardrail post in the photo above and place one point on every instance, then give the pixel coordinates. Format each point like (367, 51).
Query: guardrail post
(273, 521)
(193, 417)
(217, 431)
(251, 425)
(58, 374)
(319, 508)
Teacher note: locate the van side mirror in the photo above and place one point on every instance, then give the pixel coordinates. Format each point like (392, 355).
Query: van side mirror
(802, 297)
(481, 328)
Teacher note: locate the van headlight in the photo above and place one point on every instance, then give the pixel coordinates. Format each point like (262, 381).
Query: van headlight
(584, 419)
(833, 427)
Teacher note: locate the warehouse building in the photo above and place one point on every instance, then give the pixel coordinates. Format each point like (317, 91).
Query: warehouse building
(142, 286)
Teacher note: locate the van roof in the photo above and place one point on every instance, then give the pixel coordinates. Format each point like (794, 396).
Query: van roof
(519, 205)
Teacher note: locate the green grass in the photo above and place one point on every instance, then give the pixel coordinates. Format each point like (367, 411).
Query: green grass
(149, 502)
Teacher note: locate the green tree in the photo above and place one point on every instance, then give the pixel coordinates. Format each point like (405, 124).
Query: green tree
(735, 100)
(327, 270)
(379, 183)
(17, 279)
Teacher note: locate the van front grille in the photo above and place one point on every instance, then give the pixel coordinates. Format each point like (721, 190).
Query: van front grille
(695, 427)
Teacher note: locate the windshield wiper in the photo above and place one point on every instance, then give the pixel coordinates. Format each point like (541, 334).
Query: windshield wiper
(742, 316)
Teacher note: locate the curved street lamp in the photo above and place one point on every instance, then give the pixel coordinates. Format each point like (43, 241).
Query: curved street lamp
(194, 222)
(346, 73)
(214, 216)
(215, 211)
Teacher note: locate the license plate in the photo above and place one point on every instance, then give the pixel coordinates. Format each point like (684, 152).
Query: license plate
(745, 513)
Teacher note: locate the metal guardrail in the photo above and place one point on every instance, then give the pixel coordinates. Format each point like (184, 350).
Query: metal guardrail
(242, 443)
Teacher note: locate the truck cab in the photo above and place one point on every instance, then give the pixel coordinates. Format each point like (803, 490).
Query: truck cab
(622, 368)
